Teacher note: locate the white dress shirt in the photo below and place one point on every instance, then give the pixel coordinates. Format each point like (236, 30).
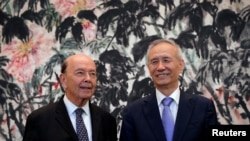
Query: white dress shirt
(86, 116)
(174, 104)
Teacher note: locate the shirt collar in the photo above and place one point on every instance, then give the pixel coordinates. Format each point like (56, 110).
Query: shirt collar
(71, 107)
(175, 95)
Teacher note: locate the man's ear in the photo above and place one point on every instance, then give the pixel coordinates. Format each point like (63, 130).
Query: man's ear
(182, 66)
(63, 80)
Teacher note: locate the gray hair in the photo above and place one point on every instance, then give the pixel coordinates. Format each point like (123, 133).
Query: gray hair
(158, 41)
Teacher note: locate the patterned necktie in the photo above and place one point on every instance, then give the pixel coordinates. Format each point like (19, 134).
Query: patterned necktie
(80, 126)
(167, 119)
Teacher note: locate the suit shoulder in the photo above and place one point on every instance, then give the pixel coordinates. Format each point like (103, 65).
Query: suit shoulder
(201, 98)
(45, 110)
(100, 111)
(138, 103)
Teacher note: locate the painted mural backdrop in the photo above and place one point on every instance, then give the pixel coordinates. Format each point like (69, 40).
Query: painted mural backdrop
(36, 35)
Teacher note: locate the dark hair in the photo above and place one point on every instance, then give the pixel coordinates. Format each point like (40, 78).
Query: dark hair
(64, 63)
(64, 66)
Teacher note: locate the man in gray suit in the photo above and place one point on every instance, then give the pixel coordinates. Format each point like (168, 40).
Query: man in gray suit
(192, 114)
(57, 121)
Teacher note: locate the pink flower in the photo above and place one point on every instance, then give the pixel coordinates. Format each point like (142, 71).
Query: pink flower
(26, 57)
(89, 30)
(68, 8)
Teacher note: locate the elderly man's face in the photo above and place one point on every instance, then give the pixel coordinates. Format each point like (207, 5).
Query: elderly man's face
(164, 66)
(79, 79)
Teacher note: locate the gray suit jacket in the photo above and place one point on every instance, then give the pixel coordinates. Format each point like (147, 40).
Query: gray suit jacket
(52, 123)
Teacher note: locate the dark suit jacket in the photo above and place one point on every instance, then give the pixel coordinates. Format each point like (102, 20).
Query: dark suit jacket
(142, 121)
(52, 123)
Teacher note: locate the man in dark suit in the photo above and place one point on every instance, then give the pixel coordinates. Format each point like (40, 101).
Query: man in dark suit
(57, 121)
(192, 114)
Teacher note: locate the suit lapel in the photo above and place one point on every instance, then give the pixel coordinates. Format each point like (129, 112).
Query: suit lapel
(183, 115)
(152, 115)
(63, 119)
(95, 121)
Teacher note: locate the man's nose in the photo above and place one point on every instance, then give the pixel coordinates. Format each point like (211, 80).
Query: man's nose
(86, 77)
(160, 65)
